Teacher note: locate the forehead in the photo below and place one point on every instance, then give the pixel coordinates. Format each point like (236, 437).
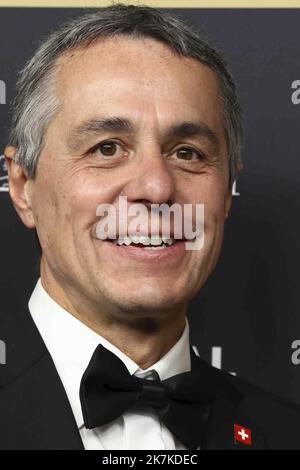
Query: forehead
(140, 75)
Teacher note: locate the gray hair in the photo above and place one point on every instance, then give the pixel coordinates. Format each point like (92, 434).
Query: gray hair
(36, 100)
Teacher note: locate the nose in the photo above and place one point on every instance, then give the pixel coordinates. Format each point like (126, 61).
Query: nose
(152, 180)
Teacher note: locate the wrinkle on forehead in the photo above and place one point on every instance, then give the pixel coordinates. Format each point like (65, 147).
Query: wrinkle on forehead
(124, 52)
(140, 76)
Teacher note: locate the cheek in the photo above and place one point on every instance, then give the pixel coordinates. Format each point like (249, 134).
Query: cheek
(214, 198)
(215, 210)
(82, 197)
(206, 258)
(45, 206)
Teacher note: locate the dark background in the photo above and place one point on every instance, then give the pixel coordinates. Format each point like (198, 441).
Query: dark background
(250, 306)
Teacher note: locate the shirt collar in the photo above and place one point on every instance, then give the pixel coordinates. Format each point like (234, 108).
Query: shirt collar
(71, 353)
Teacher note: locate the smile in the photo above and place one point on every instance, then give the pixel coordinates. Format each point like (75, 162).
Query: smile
(144, 249)
(153, 243)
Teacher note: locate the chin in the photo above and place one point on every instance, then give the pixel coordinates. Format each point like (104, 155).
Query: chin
(144, 296)
(153, 303)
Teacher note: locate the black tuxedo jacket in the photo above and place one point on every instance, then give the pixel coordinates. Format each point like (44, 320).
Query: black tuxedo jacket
(35, 412)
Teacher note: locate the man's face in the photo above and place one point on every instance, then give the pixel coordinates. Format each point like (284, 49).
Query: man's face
(145, 83)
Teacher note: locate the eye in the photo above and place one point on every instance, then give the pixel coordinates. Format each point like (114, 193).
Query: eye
(108, 149)
(188, 153)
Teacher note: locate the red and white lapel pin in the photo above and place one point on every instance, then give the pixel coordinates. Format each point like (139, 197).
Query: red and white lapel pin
(242, 435)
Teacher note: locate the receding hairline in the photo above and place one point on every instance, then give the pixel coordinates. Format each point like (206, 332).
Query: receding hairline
(62, 60)
(68, 54)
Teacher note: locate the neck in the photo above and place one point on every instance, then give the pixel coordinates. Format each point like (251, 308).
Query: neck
(145, 339)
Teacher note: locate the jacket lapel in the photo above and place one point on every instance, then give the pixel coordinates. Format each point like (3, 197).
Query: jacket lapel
(225, 411)
(221, 434)
(35, 412)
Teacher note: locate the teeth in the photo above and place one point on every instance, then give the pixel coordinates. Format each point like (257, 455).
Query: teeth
(127, 241)
(157, 242)
(122, 241)
(144, 240)
(119, 241)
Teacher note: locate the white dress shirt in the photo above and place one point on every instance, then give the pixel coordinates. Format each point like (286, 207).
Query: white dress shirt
(71, 345)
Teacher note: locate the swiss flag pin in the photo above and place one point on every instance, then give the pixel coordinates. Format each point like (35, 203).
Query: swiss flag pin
(242, 435)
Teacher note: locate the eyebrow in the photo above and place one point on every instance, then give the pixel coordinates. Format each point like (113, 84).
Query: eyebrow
(194, 129)
(97, 126)
(94, 127)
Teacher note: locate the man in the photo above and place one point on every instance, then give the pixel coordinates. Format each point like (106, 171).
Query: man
(125, 103)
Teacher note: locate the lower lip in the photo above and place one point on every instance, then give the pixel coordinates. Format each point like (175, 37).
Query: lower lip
(170, 253)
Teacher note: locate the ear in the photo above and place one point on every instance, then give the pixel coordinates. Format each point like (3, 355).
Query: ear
(19, 187)
(239, 167)
(228, 203)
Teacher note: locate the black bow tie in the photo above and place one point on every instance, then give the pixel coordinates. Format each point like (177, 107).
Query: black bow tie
(182, 402)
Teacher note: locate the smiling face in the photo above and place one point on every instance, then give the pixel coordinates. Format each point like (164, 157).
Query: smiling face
(122, 131)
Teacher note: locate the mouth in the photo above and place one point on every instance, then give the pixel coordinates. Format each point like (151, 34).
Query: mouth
(148, 249)
(145, 242)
